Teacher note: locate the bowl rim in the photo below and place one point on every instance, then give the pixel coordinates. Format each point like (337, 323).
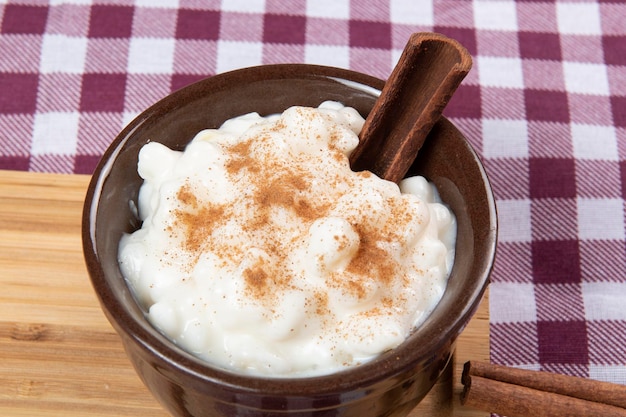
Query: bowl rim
(356, 377)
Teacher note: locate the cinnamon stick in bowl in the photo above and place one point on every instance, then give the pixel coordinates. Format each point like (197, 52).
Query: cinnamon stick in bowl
(519, 393)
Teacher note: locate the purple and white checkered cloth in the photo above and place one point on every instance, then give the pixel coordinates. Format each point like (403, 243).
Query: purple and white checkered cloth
(544, 105)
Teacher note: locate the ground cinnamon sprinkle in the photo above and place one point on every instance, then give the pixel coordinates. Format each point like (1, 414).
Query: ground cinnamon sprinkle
(196, 220)
(198, 225)
(287, 244)
(305, 210)
(356, 287)
(241, 159)
(321, 303)
(277, 183)
(274, 193)
(370, 260)
(186, 196)
(257, 279)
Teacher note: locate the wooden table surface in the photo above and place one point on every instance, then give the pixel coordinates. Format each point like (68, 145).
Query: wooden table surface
(58, 353)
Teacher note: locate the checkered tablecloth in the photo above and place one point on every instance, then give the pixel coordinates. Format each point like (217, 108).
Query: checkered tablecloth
(545, 107)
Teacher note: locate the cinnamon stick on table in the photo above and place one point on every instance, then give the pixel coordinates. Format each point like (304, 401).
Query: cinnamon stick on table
(519, 393)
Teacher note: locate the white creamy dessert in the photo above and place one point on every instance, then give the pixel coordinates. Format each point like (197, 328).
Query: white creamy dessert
(262, 252)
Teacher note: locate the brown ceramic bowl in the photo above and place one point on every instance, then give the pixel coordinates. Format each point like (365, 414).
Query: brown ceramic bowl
(390, 385)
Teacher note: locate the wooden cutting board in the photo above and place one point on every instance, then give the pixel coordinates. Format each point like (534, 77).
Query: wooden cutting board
(58, 353)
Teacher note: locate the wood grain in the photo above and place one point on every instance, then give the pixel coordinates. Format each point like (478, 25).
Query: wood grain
(59, 354)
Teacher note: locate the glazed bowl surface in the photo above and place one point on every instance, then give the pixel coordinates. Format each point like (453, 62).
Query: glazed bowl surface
(390, 385)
